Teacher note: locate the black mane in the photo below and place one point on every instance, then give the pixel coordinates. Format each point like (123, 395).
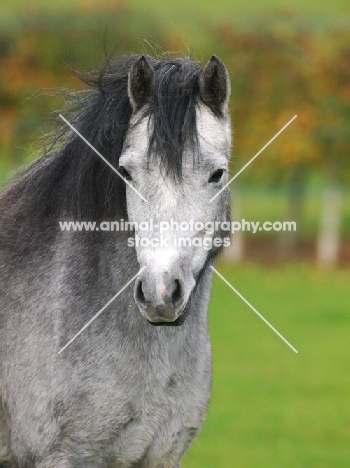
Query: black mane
(72, 180)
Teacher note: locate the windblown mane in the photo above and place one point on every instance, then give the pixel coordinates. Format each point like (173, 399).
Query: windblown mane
(72, 180)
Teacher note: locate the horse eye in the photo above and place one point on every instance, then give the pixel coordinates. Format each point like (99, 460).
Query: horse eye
(216, 177)
(124, 173)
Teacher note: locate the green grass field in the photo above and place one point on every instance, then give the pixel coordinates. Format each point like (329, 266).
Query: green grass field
(217, 10)
(271, 407)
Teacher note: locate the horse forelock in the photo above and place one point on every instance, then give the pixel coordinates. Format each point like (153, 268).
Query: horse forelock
(173, 114)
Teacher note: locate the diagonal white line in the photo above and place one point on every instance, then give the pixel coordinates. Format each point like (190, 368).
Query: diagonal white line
(254, 310)
(102, 157)
(254, 157)
(100, 311)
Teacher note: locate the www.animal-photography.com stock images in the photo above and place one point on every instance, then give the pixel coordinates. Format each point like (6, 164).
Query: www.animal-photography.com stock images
(174, 234)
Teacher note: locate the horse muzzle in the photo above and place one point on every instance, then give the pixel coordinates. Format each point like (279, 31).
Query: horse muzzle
(161, 300)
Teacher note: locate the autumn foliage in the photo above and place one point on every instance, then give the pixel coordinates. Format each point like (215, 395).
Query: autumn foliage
(277, 71)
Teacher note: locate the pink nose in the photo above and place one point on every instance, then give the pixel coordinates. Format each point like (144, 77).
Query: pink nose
(160, 299)
(161, 288)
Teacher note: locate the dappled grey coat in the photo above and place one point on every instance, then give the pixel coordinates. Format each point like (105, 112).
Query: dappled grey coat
(132, 389)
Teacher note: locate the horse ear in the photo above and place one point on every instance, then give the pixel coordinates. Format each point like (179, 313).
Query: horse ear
(141, 83)
(214, 86)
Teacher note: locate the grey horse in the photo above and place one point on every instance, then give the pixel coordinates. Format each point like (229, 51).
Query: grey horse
(132, 390)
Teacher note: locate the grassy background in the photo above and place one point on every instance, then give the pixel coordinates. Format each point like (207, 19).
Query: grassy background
(221, 8)
(174, 10)
(271, 407)
(266, 204)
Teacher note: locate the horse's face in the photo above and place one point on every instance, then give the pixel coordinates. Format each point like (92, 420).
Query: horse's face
(169, 237)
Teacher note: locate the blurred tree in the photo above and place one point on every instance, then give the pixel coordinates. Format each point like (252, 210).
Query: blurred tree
(280, 71)
(37, 50)
(332, 133)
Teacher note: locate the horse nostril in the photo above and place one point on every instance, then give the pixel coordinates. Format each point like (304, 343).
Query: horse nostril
(139, 293)
(177, 294)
